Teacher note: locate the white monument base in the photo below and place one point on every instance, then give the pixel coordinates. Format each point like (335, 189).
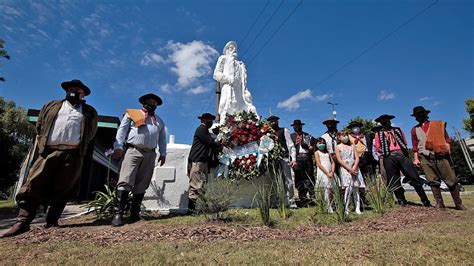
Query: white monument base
(168, 191)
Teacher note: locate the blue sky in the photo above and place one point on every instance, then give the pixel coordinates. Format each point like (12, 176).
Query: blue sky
(124, 49)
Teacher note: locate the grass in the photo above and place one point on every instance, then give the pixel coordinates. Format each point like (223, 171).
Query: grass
(442, 242)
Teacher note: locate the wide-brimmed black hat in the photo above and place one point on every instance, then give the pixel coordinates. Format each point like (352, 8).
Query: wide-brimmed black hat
(354, 124)
(206, 116)
(272, 118)
(330, 120)
(297, 122)
(76, 83)
(151, 96)
(419, 109)
(377, 127)
(384, 117)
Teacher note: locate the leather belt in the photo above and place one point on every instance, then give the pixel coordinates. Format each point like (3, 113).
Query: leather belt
(128, 145)
(63, 147)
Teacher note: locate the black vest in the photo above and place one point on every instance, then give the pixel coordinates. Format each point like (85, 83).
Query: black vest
(398, 137)
(281, 139)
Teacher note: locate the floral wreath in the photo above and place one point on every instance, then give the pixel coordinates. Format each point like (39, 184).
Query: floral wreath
(249, 145)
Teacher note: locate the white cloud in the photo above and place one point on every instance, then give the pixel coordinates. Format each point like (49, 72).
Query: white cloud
(198, 90)
(435, 103)
(427, 98)
(324, 97)
(386, 95)
(150, 58)
(293, 102)
(191, 60)
(9, 11)
(166, 88)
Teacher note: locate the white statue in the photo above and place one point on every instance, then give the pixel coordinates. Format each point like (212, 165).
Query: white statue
(232, 76)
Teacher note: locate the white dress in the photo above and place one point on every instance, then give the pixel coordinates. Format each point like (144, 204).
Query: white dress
(347, 154)
(323, 180)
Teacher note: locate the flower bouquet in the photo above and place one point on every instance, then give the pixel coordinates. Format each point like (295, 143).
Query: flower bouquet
(249, 145)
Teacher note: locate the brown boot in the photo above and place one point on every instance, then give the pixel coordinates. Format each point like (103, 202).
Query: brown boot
(22, 225)
(438, 197)
(456, 197)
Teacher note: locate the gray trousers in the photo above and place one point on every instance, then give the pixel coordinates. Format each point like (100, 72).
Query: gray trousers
(136, 170)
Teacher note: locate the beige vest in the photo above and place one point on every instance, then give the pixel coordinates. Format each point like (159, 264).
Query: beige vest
(421, 136)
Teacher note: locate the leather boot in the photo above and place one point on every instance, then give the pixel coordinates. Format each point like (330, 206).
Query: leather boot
(456, 197)
(191, 206)
(438, 197)
(23, 221)
(54, 213)
(119, 208)
(136, 207)
(421, 193)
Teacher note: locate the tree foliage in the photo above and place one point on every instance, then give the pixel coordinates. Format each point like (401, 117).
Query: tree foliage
(468, 122)
(367, 125)
(3, 54)
(16, 135)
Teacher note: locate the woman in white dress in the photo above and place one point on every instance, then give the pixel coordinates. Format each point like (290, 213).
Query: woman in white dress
(325, 175)
(351, 177)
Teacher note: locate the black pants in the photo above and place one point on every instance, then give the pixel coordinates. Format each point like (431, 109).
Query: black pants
(398, 162)
(304, 178)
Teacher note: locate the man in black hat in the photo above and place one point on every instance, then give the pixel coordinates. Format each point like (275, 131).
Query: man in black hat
(431, 150)
(289, 158)
(64, 130)
(199, 157)
(391, 144)
(330, 136)
(304, 169)
(140, 132)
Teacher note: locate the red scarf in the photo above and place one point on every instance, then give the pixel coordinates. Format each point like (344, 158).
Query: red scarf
(153, 117)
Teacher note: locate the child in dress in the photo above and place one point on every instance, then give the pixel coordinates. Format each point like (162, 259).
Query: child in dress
(351, 177)
(325, 174)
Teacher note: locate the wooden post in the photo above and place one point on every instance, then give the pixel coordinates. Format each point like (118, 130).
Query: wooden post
(218, 100)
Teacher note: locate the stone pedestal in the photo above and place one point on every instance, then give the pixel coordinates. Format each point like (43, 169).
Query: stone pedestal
(168, 191)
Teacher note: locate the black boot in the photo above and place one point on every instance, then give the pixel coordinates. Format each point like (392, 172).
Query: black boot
(191, 206)
(119, 208)
(54, 213)
(136, 207)
(421, 193)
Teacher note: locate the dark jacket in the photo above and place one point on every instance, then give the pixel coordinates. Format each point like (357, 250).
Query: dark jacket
(47, 116)
(202, 145)
(308, 141)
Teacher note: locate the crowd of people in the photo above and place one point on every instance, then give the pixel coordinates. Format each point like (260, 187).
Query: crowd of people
(344, 159)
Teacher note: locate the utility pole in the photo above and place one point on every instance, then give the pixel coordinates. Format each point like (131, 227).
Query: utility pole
(333, 109)
(218, 101)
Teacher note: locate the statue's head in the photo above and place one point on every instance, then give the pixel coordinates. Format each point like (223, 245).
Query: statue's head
(230, 48)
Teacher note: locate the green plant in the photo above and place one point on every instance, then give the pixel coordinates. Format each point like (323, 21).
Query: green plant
(280, 192)
(263, 197)
(103, 203)
(217, 195)
(380, 195)
(338, 200)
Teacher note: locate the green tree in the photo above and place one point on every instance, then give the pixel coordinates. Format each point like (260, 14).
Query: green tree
(4, 54)
(16, 135)
(468, 122)
(367, 125)
(459, 161)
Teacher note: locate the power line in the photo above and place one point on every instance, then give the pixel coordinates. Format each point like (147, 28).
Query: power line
(377, 43)
(264, 26)
(275, 32)
(255, 22)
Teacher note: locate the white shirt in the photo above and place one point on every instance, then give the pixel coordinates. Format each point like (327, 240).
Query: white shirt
(66, 128)
(330, 143)
(147, 136)
(290, 144)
